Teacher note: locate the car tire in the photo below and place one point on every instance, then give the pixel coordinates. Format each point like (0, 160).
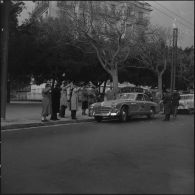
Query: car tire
(190, 111)
(151, 115)
(98, 118)
(123, 114)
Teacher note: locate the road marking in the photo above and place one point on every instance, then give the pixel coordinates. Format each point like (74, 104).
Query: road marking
(22, 128)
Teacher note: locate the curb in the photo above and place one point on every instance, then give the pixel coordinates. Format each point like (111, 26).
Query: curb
(40, 124)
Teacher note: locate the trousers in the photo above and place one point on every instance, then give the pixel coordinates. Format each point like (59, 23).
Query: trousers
(73, 114)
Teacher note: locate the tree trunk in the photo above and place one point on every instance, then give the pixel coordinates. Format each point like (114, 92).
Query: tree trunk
(160, 84)
(8, 91)
(104, 88)
(4, 55)
(114, 74)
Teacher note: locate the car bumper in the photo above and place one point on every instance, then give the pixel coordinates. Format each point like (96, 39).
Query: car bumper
(108, 114)
(183, 107)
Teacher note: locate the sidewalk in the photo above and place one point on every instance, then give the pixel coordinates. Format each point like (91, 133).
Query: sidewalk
(28, 114)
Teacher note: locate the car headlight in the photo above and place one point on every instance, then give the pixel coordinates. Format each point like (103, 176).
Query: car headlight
(91, 106)
(113, 105)
(114, 108)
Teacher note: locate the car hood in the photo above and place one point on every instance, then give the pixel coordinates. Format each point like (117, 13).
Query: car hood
(109, 103)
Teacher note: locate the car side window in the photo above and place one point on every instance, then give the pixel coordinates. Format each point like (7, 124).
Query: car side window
(140, 97)
(147, 98)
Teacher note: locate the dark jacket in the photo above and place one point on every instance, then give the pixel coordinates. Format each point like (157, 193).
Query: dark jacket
(55, 99)
(167, 100)
(175, 99)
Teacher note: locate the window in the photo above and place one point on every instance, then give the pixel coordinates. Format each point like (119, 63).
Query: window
(140, 97)
(113, 8)
(147, 98)
(130, 11)
(129, 96)
(140, 15)
(40, 18)
(46, 13)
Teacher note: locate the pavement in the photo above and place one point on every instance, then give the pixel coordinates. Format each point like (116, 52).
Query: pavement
(20, 114)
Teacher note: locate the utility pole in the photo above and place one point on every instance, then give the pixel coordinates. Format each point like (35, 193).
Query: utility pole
(174, 58)
(4, 54)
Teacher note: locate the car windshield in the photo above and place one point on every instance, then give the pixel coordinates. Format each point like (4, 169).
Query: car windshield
(187, 97)
(130, 96)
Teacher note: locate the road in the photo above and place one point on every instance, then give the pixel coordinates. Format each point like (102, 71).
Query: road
(140, 156)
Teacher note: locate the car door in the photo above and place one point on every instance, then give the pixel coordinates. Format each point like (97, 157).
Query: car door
(139, 104)
(147, 104)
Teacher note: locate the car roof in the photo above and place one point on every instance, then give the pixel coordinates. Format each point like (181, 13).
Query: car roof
(133, 93)
(190, 94)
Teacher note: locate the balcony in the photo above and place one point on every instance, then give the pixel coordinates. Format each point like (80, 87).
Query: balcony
(41, 7)
(144, 5)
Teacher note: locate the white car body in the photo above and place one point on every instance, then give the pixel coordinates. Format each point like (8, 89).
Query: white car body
(186, 102)
(126, 104)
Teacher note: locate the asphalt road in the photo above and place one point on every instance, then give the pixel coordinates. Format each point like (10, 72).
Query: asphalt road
(140, 156)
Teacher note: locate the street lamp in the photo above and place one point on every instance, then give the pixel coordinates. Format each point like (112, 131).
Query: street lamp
(174, 56)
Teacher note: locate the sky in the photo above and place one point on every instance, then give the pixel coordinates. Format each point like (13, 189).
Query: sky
(164, 13)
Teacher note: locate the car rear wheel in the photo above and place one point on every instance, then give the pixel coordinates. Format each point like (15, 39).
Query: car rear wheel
(152, 112)
(98, 118)
(123, 115)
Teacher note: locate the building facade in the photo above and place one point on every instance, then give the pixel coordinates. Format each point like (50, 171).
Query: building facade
(134, 10)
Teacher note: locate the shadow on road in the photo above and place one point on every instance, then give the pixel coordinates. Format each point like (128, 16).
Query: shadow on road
(130, 120)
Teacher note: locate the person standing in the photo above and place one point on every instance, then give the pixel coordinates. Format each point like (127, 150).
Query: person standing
(55, 101)
(63, 100)
(74, 102)
(175, 103)
(167, 105)
(84, 100)
(46, 102)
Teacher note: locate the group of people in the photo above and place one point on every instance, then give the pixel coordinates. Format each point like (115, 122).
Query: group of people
(171, 103)
(59, 98)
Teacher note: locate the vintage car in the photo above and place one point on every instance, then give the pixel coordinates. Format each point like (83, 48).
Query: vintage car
(126, 105)
(186, 103)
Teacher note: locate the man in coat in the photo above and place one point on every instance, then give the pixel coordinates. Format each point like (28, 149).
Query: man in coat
(55, 101)
(46, 102)
(84, 99)
(74, 101)
(167, 105)
(175, 102)
(63, 100)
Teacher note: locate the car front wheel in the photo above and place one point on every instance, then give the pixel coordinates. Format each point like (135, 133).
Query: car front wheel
(152, 112)
(98, 118)
(123, 115)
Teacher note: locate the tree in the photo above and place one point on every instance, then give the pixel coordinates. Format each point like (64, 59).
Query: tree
(9, 12)
(48, 49)
(16, 8)
(154, 51)
(106, 31)
(185, 68)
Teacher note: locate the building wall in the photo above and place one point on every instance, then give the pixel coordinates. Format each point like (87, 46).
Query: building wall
(134, 8)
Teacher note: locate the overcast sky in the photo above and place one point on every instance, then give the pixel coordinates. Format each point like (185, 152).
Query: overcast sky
(163, 14)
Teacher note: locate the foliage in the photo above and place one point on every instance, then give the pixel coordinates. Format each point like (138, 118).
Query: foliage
(185, 68)
(106, 31)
